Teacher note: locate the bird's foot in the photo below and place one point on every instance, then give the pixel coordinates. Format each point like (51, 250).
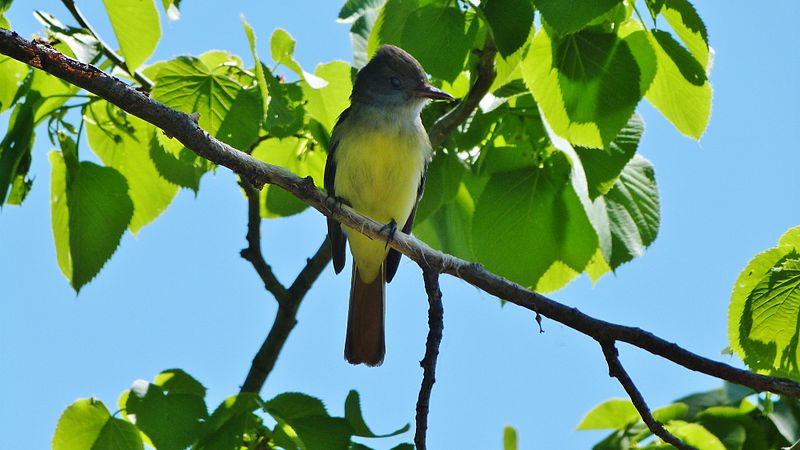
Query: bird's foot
(391, 229)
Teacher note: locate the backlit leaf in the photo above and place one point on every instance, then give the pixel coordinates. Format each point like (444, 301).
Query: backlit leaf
(87, 425)
(137, 28)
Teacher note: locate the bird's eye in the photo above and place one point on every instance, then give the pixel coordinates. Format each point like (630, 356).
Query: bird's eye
(395, 82)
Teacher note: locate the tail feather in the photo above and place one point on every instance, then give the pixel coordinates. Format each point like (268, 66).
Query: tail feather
(365, 341)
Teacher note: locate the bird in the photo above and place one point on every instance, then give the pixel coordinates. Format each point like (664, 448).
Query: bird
(377, 161)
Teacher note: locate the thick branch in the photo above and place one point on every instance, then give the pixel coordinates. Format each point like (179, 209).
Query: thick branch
(456, 116)
(107, 50)
(616, 370)
(285, 320)
(186, 130)
(428, 363)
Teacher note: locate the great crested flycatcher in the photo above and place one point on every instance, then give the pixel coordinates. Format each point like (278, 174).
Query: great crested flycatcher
(376, 163)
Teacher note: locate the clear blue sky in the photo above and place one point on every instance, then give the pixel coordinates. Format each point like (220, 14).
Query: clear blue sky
(179, 295)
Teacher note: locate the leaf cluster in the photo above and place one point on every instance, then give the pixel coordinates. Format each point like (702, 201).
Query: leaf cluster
(728, 418)
(170, 413)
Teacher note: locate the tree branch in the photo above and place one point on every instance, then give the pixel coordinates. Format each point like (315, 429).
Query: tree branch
(107, 50)
(428, 363)
(253, 251)
(616, 370)
(456, 116)
(187, 131)
(285, 320)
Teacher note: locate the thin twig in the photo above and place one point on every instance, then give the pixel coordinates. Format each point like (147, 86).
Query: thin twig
(107, 50)
(456, 116)
(188, 132)
(252, 252)
(616, 370)
(285, 321)
(428, 363)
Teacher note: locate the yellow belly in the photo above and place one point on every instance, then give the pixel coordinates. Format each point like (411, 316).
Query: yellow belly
(378, 174)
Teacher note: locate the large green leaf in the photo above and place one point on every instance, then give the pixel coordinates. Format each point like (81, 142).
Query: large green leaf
(12, 74)
(510, 22)
(610, 415)
(442, 183)
(84, 46)
(587, 84)
(286, 110)
(680, 90)
(688, 25)
(449, 227)
(300, 158)
(408, 24)
(765, 309)
(137, 28)
(170, 411)
(123, 142)
(603, 166)
(90, 211)
(87, 425)
(633, 211)
(571, 16)
(325, 104)
(515, 211)
(204, 86)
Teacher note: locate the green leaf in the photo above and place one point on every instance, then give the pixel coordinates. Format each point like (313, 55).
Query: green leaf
(675, 411)
(286, 110)
(176, 163)
(54, 91)
(137, 28)
(586, 84)
(4, 5)
(444, 52)
(680, 90)
(232, 419)
(352, 413)
(603, 166)
(123, 141)
(87, 425)
(282, 45)
(442, 183)
(90, 211)
(516, 209)
(510, 22)
(303, 420)
(15, 148)
(509, 438)
(765, 307)
(569, 17)
(299, 157)
(203, 85)
(260, 77)
(326, 104)
(362, 15)
(170, 411)
(449, 228)
(407, 24)
(633, 208)
(688, 25)
(695, 435)
(12, 74)
(84, 46)
(610, 415)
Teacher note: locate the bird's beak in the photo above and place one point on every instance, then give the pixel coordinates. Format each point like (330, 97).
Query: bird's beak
(431, 92)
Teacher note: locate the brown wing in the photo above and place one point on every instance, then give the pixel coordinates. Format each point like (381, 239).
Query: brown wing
(393, 258)
(335, 233)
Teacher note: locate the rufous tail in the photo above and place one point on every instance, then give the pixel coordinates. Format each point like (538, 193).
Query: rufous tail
(365, 343)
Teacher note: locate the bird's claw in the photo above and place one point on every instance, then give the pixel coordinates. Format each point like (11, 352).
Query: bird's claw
(391, 227)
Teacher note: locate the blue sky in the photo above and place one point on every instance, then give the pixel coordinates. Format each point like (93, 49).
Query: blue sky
(179, 295)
